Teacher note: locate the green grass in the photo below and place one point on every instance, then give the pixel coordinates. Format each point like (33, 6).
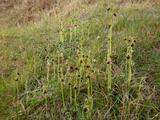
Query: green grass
(28, 49)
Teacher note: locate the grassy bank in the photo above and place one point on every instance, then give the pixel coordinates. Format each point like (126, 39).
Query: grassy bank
(57, 68)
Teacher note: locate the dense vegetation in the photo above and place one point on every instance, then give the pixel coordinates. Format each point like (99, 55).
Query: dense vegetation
(80, 60)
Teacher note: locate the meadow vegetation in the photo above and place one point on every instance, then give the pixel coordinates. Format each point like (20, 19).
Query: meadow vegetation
(80, 60)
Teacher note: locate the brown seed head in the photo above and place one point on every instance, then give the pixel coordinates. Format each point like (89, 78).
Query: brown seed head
(115, 14)
(108, 9)
(128, 57)
(18, 74)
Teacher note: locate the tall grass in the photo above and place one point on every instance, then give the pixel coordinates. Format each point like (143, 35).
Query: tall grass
(67, 73)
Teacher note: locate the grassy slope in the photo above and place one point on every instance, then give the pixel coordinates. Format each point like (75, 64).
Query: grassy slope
(21, 47)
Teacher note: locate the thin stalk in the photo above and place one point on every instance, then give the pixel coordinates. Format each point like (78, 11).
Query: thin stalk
(70, 89)
(109, 65)
(17, 96)
(62, 81)
(129, 64)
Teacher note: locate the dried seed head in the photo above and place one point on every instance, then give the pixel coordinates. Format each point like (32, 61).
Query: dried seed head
(69, 84)
(92, 71)
(109, 25)
(88, 76)
(62, 80)
(79, 75)
(108, 9)
(71, 69)
(45, 91)
(47, 57)
(75, 26)
(115, 14)
(77, 47)
(125, 39)
(16, 79)
(76, 68)
(85, 109)
(134, 41)
(18, 74)
(75, 87)
(108, 62)
(129, 40)
(132, 45)
(99, 86)
(88, 66)
(87, 56)
(128, 57)
(81, 61)
(52, 60)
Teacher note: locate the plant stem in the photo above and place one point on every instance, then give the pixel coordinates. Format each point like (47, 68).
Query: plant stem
(109, 65)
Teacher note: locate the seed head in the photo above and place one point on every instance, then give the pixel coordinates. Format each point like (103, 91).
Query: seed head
(108, 9)
(18, 74)
(88, 66)
(76, 68)
(81, 61)
(108, 62)
(85, 109)
(45, 92)
(69, 84)
(134, 41)
(115, 14)
(128, 57)
(132, 45)
(86, 56)
(62, 80)
(16, 79)
(129, 40)
(75, 87)
(88, 76)
(71, 69)
(92, 71)
(47, 57)
(75, 26)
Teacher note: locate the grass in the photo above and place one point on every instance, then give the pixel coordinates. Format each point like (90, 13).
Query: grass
(68, 60)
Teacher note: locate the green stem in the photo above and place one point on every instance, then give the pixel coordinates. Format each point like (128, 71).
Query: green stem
(109, 66)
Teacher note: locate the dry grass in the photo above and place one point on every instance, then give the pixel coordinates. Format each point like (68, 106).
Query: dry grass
(20, 12)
